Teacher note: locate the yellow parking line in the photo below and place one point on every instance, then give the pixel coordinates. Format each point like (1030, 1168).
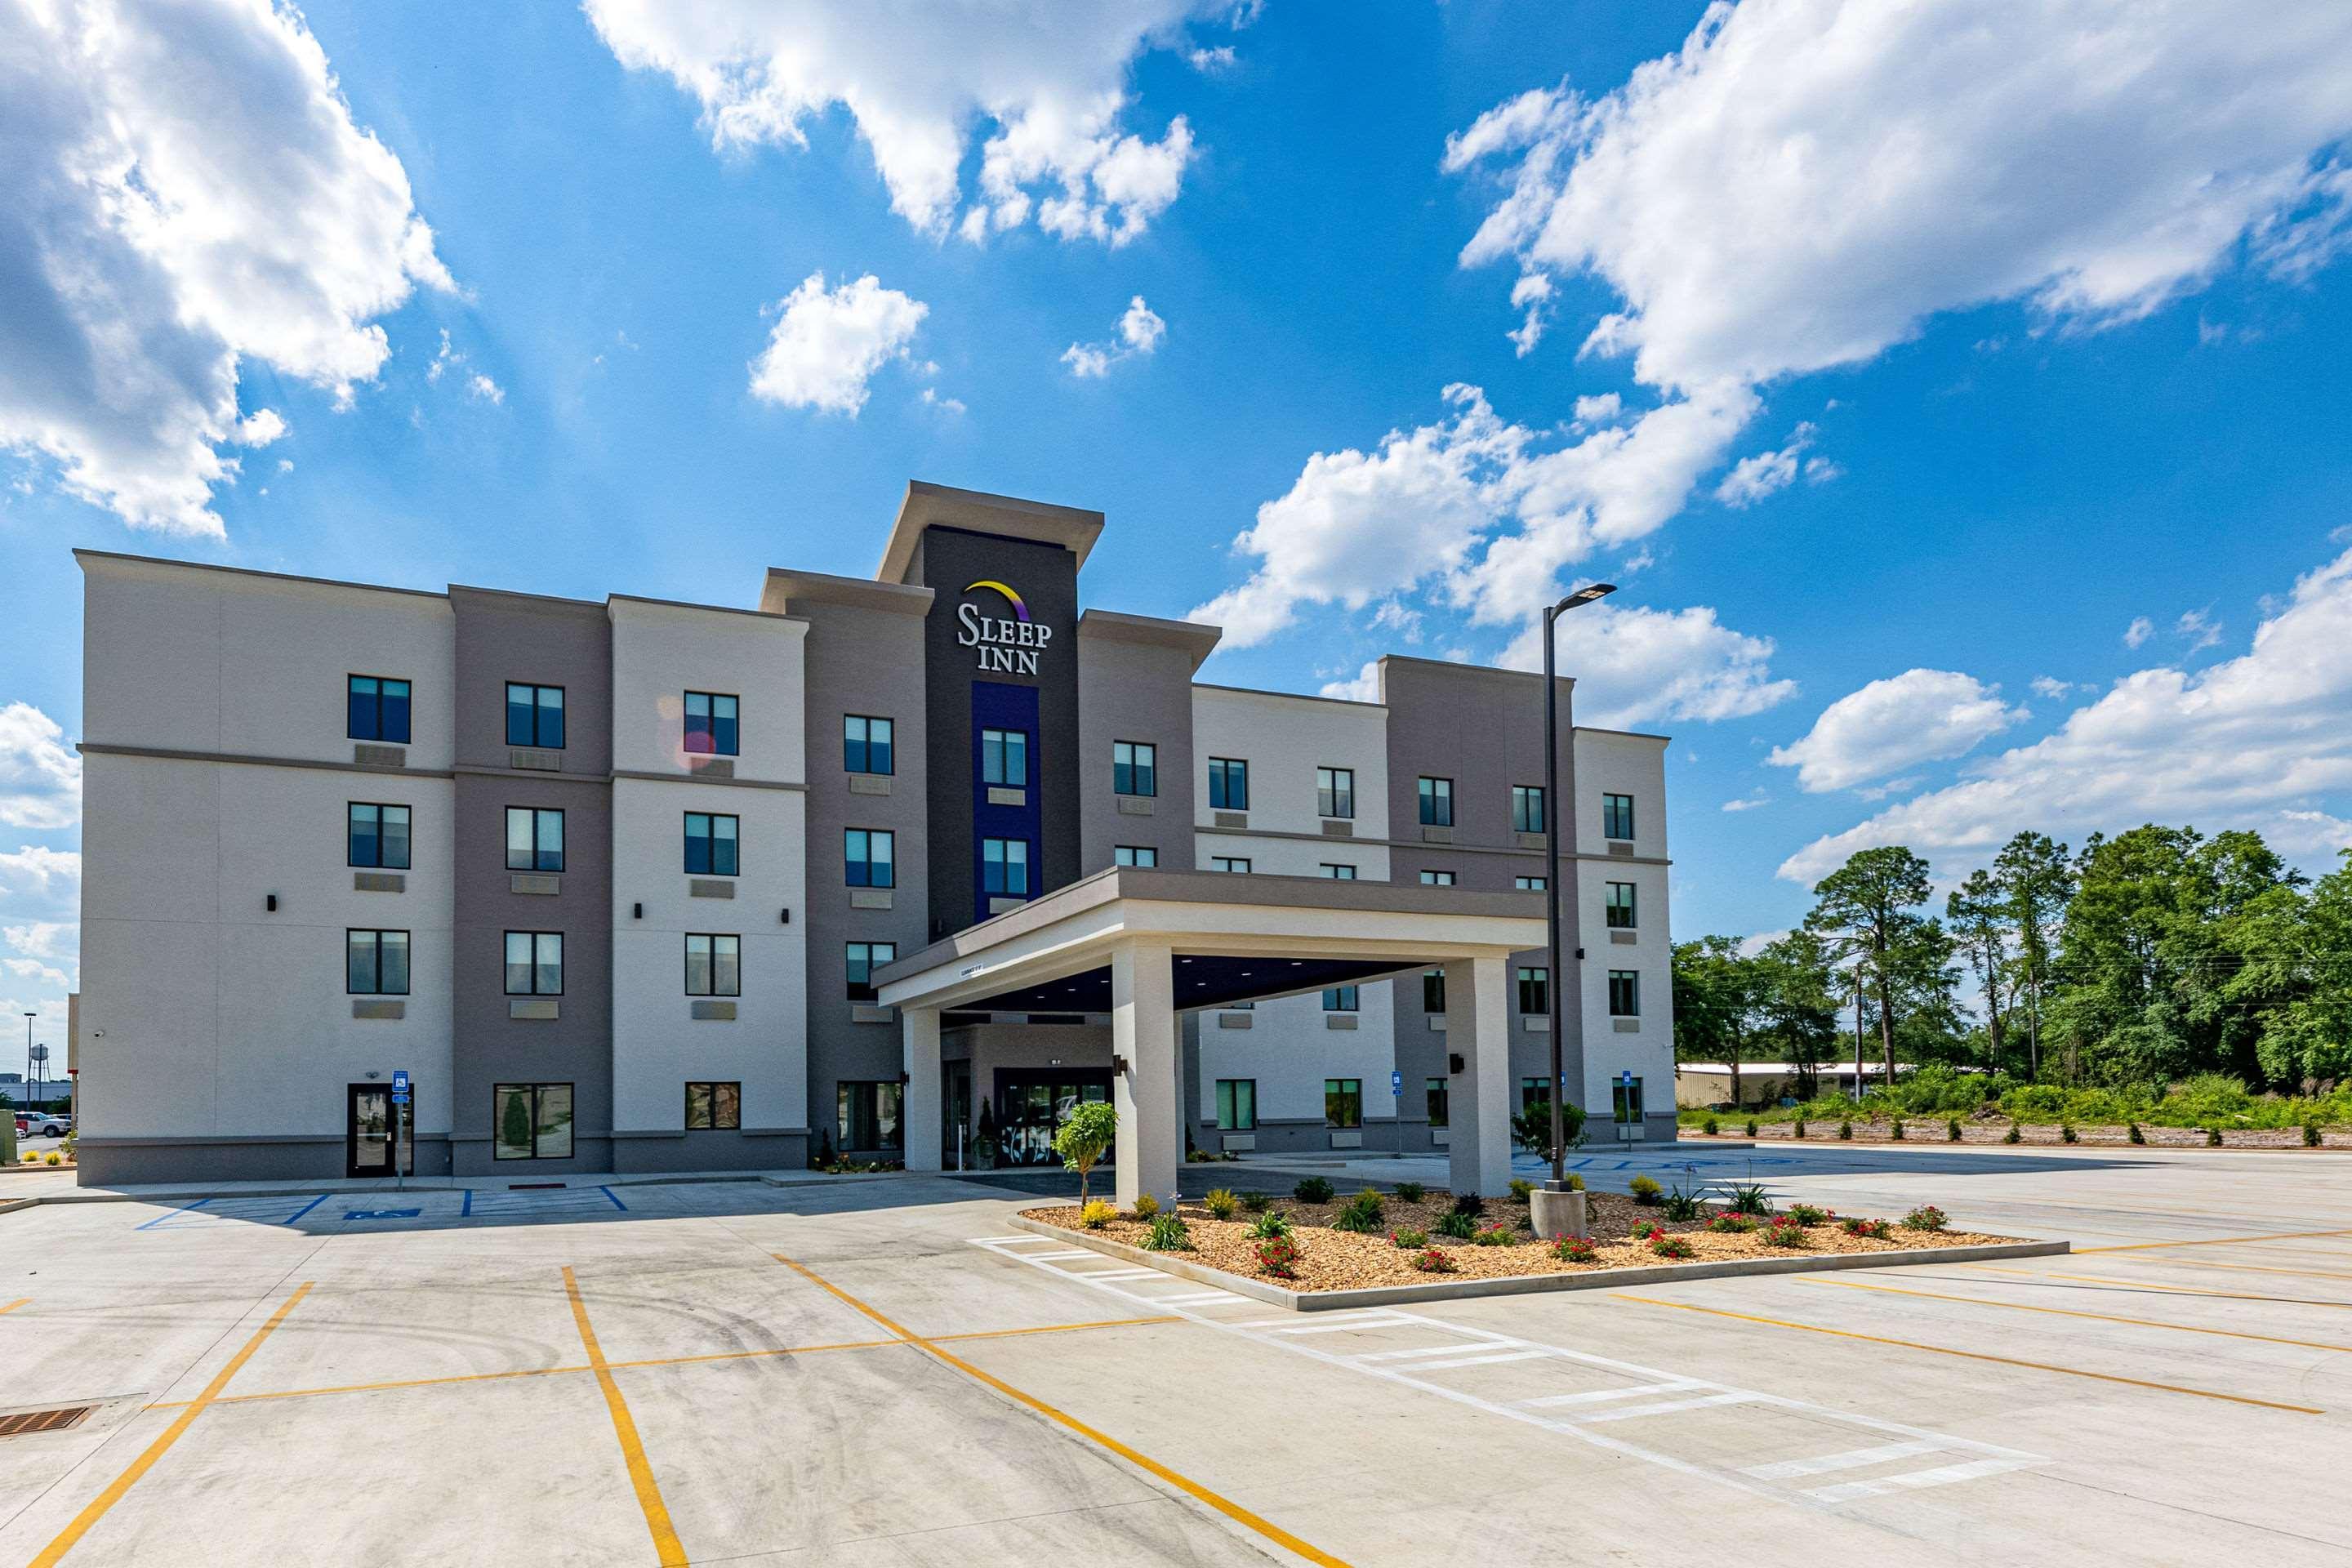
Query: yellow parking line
(122, 1483)
(2214, 1241)
(2064, 1312)
(2258, 1269)
(641, 1473)
(14, 1305)
(1971, 1355)
(1184, 1484)
(2170, 1290)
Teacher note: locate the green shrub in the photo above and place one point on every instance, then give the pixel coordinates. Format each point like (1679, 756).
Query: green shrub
(1268, 1225)
(1360, 1215)
(1787, 1231)
(1575, 1182)
(1667, 1245)
(1521, 1188)
(1876, 1229)
(1220, 1203)
(2066, 1133)
(1708, 1127)
(1409, 1192)
(1927, 1217)
(1470, 1203)
(1806, 1213)
(1731, 1223)
(1798, 1131)
(1576, 1249)
(1751, 1127)
(1679, 1204)
(1409, 1240)
(2212, 1137)
(1146, 1206)
(2013, 1135)
(2311, 1135)
(1897, 1133)
(1096, 1213)
(1952, 1129)
(1845, 1129)
(2133, 1132)
(1645, 1189)
(1169, 1233)
(1279, 1256)
(1457, 1224)
(55, 1158)
(1432, 1261)
(1255, 1203)
(1495, 1236)
(1749, 1197)
(1313, 1190)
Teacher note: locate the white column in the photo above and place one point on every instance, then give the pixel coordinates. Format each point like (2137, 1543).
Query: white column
(1143, 1037)
(919, 1114)
(1477, 1030)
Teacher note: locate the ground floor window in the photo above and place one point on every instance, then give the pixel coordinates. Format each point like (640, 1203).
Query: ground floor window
(1343, 1102)
(867, 1114)
(533, 1120)
(714, 1107)
(1534, 1091)
(1625, 1101)
(1236, 1105)
(1441, 1102)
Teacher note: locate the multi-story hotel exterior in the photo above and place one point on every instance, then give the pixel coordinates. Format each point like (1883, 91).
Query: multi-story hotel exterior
(899, 867)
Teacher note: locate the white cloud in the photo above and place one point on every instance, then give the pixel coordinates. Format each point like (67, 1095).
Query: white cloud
(2261, 741)
(1533, 295)
(33, 969)
(2051, 687)
(40, 775)
(446, 360)
(2139, 632)
(1920, 716)
(826, 346)
(1633, 665)
(42, 939)
(45, 880)
(1210, 62)
(1600, 410)
(183, 189)
(932, 399)
(1392, 617)
(1140, 330)
(1754, 477)
(2198, 629)
(1747, 803)
(1364, 686)
(484, 389)
(1050, 82)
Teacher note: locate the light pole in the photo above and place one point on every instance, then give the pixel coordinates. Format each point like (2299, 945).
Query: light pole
(1589, 593)
(28, 1057)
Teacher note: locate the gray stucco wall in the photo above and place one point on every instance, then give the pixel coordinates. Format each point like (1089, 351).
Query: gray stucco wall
(1134, 691)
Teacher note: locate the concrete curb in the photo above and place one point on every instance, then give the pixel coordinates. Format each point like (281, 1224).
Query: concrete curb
(1529, 1284)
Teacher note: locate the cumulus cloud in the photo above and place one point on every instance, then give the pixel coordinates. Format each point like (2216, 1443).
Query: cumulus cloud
(1634, 665)
(1754, 477)
(2198, 629)
(1364, 686)
(1049, 82)
(2051, 687)
(2263, 740)
(827, 345)
(41, 939)
(40, 775)
(1139, 331)
(183, 189)
(2139, 632)
(1918, 716)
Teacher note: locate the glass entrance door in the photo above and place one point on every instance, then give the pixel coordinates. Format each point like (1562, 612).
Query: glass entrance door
(367, 1150)
(1032, 1104)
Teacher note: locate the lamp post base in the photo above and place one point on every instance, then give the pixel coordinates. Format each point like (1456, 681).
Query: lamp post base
(1558, 1214)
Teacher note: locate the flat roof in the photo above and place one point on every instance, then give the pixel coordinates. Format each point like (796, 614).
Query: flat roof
(927, 505)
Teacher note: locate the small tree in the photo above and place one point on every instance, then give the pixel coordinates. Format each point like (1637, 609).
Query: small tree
(1083, 1138)
(514, 1129)
(1531, 1128)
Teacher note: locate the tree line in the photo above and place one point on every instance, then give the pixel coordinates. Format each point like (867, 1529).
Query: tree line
(2139, 961)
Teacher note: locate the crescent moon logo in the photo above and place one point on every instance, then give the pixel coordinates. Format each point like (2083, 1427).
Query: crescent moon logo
(1019, 609)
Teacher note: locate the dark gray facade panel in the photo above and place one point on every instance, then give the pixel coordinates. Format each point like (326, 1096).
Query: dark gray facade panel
(134, 1161)
(1134, 691)
(710, 1150)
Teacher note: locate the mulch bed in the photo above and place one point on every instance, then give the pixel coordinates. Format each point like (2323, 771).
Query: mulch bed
(1344, 1260)
(1995, 1130)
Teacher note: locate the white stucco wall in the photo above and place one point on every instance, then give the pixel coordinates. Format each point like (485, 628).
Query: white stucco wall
(662, 651)
(1285, 739)
(1608, 762)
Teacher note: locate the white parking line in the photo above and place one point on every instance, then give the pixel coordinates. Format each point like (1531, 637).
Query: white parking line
(1665, 1407)
(1852, 1459)
(1483, 1360)
(1553, 1401)
(1942, 1476)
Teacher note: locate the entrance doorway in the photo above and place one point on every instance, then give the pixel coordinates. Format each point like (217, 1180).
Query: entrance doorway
(1031, 1103)
(375, 1143)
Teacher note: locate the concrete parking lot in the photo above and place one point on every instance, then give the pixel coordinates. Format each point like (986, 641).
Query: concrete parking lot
(887, 1374)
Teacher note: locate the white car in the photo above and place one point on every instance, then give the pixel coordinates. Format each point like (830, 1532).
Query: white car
(43, 1124)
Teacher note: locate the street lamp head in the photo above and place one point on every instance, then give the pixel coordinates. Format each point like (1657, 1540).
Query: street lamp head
(1589, 593)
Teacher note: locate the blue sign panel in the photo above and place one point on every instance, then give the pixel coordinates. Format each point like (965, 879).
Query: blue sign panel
(1396, 1083)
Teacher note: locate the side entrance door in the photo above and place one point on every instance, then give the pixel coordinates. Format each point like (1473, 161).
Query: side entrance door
(367, 1140)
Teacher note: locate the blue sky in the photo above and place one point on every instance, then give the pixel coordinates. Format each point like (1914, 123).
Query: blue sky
(1941, 366)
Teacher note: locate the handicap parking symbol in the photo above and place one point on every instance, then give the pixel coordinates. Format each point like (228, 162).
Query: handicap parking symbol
(381, 1213)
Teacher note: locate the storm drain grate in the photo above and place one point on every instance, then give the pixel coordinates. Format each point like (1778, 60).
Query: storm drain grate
(25, 1421)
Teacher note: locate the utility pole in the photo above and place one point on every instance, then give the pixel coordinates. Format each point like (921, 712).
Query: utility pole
(1857, 1029)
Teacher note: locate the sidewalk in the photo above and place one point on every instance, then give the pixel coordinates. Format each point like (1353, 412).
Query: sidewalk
(57, 1186)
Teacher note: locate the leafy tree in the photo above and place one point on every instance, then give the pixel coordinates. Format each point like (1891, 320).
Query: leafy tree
(1531, 1125)
(1797, 1005)
(1979, 921)
(1082, 1140)
(2036, 881)
(1717, 990)
(1865, 910)
(2306, 1039)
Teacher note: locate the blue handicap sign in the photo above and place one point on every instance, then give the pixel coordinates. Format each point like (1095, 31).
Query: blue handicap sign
(400, 1080)
(1396, 1083)
(381, 1213)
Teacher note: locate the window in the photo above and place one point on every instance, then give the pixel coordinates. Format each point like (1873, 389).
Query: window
(534, 839)
(1134, 768)
(1534, 1091)
(1135, 855)
(1340, 999)
(1436, 803)
(533, 1119)
(714, 1107)
(1626, 1100)
(1620, 908)
(378, 709)
(872, 858)
(1527, 808)
(1237, 1105)
(1004, 868)
(711, 724)
(534, 963)
(864, 958)
(377, 835)
(713, 845)
(1228, 783)
(1343, 1102)
(375, 962)
(1432, 991)
(1437, 878)
(865, 744)
(1535, 991)
(1530, 884)
(714, 964)
(1616, 817)
(1005, 758)
(1338, 872)
(1624, 993)
(534, 715)
(1335, 792)
(868, 1115)
(1440, 1100)
(1229, 863)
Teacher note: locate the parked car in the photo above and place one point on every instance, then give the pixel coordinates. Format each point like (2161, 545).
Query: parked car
(43, 1123)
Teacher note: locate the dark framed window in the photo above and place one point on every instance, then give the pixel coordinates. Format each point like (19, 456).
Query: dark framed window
(376, 836)
(1004, 868)
(714, 1107)
(711, 724)
(871, 857)
(1335, 792)
(1436, 803)
(714, 845)
(1527, 808)
(534, 715)
(864, 958)
(1340, 998)
(1432, 991)
(1440, 1093)
(1437, 878)
(1616, 817)
(534, 838)
(1237, 1105)
(1005, 758)
(534, 963)
(533, 1120)
(714, 964)
(1534, 1091)
(865, 744)
(1228, 783)
(1338, 870)
(377, 707)
(1624, 993)
(1135, 855)
(1535, 992)
(1626, 1100)
(1618, 911)
(1343, 1102)
(1529, 884)
(1235, 863)
(867, 1115)
(375, 962)
(1134, 767)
